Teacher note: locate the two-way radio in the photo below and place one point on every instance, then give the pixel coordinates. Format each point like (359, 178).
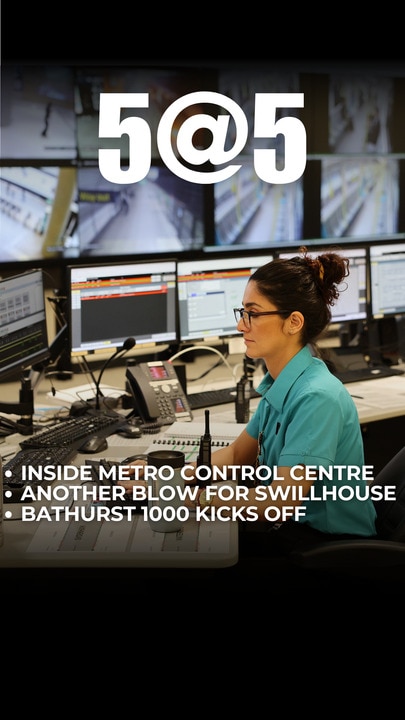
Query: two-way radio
(204, 454)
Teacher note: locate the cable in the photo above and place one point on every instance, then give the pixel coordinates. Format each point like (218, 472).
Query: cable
(206, 372)
(201, 347)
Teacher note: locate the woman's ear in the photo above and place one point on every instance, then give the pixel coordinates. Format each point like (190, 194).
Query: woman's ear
(296, 322)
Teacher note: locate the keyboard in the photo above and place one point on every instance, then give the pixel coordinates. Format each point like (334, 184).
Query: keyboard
(15, 484)
(74, 431)
(221, 396)
(367, 373)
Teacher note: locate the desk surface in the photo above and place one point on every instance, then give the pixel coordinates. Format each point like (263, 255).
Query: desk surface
(376, 399)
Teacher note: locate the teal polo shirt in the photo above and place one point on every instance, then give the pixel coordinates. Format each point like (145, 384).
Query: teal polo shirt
(307, 417)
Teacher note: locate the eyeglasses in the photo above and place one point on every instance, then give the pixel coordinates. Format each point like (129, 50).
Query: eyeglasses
(247, 315)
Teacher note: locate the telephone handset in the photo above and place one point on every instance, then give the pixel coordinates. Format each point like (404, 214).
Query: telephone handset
(157, 393)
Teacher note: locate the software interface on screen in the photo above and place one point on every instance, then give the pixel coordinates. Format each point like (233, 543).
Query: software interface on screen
(208, 291)
(109, 303)
(352, 302)
(387, 279)
(23, 329)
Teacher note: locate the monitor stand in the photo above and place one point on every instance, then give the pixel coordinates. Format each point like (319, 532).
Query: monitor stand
(383, 341)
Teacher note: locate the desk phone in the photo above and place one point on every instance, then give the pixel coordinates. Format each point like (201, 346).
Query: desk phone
(157, 392)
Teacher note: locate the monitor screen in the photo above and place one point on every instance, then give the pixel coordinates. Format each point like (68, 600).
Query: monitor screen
(359, 113)
(37, 113)
(354, 109)
(160, 214)
(352, 302)
(387, 280)
(250, 213)
(109, 303)
(360, 197)
(23, 328)
(38, 213)
(161, 85)
(208, 291)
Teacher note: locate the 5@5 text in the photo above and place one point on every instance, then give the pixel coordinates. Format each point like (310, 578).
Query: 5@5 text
(181, 121)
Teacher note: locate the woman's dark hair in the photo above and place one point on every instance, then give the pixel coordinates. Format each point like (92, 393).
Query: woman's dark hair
(304, 283)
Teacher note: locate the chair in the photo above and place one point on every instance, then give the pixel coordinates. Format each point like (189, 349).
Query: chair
(380, 556)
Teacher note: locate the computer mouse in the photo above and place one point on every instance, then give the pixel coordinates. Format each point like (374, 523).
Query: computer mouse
(94, 444)
(79, 407)
(129, 431)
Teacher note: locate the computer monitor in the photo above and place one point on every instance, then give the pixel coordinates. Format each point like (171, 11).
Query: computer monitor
(351, 305)
(38, 207)
(107, 303)
(208, 290)
(354, 110)
(252, 214)
(360, 198)
(23, 328)
(37, 112)
(387, 280)
(160, 214)
(361, 111)
(162, 86)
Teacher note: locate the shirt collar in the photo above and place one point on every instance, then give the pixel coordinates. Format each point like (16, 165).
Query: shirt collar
(275, 391)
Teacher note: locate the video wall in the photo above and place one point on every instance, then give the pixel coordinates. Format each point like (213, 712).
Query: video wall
(56, 205)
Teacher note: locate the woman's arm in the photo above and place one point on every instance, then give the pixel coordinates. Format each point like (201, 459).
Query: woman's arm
(242, 451)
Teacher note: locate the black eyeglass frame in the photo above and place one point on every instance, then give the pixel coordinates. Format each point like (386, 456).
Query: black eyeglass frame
(252, 314)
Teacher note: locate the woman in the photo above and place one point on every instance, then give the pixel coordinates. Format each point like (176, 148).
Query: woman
(306, 425)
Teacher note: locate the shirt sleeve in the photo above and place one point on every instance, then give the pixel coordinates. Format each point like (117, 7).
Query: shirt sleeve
(313, 430)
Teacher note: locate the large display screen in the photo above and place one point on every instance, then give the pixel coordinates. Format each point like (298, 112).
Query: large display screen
(160, 214)
(39, 213)
(56, 206)
(360, 197)
(250, 213)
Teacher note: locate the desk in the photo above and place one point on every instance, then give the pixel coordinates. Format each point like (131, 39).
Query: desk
(379, 399)
(376, 400)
